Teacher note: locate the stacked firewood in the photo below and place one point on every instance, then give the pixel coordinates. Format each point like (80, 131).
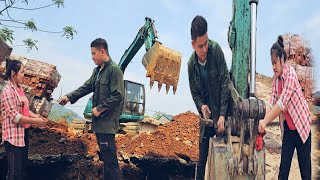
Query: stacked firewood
(300, 58)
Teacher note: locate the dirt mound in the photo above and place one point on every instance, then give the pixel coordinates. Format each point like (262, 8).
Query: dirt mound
(54, 138)
(177, 139)
(264, 87)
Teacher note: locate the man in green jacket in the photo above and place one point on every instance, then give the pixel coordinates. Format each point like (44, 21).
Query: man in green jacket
(208, 81)
(106, 83)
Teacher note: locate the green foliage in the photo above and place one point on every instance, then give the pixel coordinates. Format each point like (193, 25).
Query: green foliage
(30, 44)
(31, 25)
(8, 22)
(69, 32)
(6, 35)
(60, 113)
(58, 3)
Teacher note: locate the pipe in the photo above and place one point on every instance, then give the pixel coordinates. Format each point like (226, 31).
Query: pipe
(253, 4)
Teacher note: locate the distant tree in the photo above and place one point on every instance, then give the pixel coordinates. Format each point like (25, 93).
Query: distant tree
(8, 22)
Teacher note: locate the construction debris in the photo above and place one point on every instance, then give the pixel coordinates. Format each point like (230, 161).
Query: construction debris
(5, 52)
(300, 58)
(43, 77)
(40, 79)
(41, 106)
(148, 125)
(297, 49)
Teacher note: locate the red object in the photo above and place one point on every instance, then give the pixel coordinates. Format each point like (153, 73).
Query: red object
(259, 140)
(285, 112)
(25, 107)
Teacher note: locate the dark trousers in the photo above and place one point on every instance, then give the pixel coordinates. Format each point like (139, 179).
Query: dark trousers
(203, 152)
(291, 140)
(17, 159)
(108, 153)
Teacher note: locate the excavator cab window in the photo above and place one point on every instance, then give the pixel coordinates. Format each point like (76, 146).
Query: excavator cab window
(134, 101)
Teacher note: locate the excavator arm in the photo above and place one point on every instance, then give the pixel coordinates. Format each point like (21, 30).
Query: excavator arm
(147, 35)
(234, 155)
(162, 64)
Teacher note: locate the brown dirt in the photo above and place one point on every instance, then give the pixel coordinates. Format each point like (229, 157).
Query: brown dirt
(54, 138)
(177, 139)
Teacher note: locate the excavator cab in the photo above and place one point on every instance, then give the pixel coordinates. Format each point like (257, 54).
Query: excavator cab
(133, 102)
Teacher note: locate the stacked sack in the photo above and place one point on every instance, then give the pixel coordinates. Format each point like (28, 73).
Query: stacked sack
(300, 58)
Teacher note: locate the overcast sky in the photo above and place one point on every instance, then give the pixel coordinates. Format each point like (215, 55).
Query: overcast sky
(119, 21)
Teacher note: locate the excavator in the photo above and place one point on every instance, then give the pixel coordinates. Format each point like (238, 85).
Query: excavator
(162, 65)
(232, 154)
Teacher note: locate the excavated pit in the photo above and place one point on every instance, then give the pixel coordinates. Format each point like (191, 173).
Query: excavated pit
(57, 151)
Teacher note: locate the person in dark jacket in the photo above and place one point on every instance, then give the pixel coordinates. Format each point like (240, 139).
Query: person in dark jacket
(106, 83)
(208, 81)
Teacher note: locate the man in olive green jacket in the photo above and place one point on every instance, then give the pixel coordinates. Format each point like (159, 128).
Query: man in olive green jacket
(208, 81)
(106, 83)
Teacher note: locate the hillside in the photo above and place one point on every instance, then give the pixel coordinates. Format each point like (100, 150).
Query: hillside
(60, 112)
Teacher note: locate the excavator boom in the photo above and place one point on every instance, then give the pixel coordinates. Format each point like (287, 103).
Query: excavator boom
(162, 63)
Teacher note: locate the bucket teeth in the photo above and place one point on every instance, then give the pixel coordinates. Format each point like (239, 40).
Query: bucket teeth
(151, 83)
(159, 86)
(167, 88)
(174, 89)
(163, 65)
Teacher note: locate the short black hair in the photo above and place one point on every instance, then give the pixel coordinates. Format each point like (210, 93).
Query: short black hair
(12, 65)
(100, 44)
(199, 27)
(278, 47)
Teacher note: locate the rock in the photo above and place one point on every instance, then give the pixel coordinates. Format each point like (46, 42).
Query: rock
(62, 140)
(96, 158)
(189, 143)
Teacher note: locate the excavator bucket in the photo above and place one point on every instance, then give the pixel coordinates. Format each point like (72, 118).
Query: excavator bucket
(163, 65)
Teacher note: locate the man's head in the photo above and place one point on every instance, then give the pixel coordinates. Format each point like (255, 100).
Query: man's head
(199, 37)
(99, 51)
